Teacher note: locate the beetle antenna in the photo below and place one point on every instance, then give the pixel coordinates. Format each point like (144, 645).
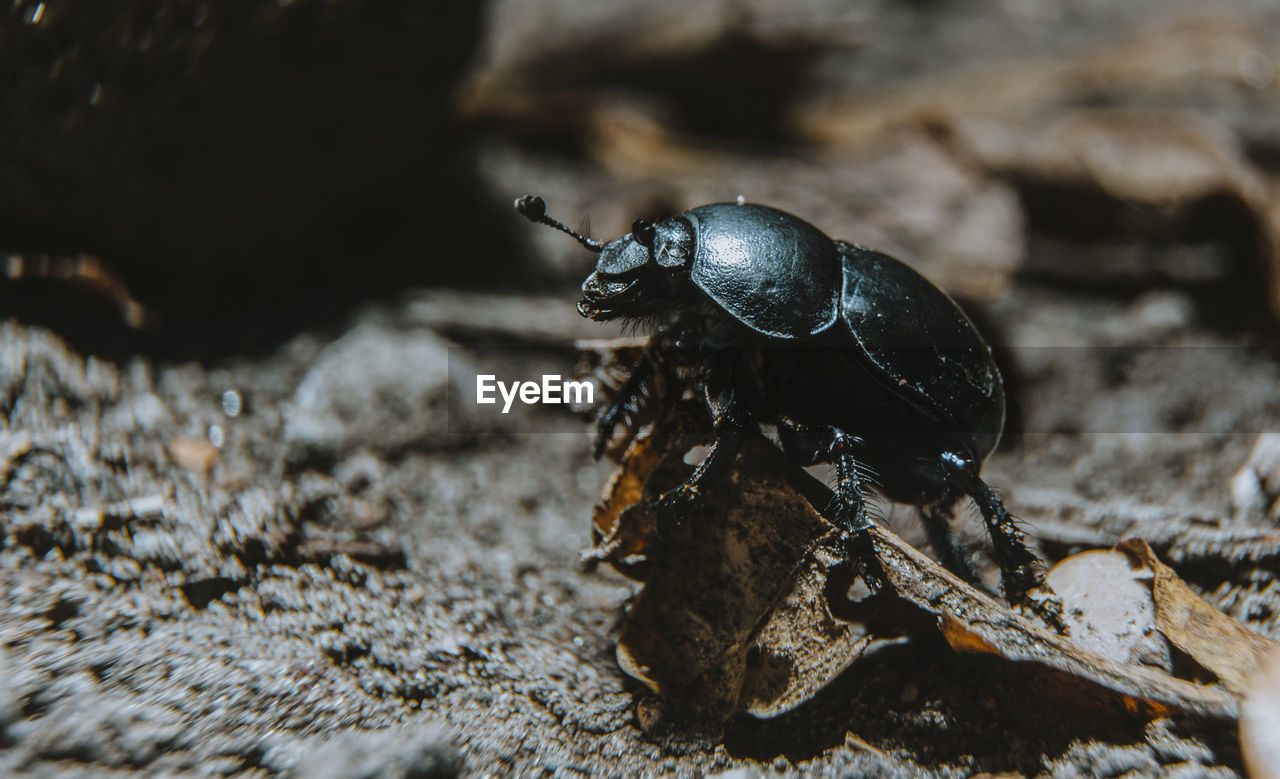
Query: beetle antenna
(534, 209)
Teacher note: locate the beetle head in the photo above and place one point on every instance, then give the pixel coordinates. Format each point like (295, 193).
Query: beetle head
(641, 273)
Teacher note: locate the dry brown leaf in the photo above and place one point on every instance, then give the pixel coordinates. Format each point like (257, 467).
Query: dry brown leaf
(626, 487)
(974, 622)
(1211, 638)
(623, 526)
(802, 647)
(732, 615)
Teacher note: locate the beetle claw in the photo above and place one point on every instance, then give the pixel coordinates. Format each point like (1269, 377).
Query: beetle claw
(866, 565)
(670, 509)
(1045, 604)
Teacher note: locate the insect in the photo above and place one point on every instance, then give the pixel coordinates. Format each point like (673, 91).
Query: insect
(857, 360)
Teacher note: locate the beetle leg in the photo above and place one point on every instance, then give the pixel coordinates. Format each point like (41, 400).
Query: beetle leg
(945, 544)
(628, 395)
(720, 455)
(851, 513)
(1021, 573)
(728, 426)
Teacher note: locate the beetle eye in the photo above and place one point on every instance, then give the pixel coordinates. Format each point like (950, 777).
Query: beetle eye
(642, 230)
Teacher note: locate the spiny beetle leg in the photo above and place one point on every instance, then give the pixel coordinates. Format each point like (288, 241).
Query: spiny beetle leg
(851, 512)
(1021, 573)
(628, 394)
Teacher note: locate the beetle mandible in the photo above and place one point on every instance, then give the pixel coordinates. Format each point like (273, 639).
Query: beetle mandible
(857, 359)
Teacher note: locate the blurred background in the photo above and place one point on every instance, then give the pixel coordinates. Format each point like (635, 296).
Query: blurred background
(241, 531)
(252, 168)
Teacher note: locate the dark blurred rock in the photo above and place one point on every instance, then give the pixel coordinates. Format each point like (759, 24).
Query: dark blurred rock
(376, 387)
(271, 158)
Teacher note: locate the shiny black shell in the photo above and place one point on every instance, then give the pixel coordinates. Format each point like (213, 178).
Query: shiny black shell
(919, 342)
(776, 274)
(783, 278)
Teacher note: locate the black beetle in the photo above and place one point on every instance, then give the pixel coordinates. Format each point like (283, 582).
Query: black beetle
(856, 358)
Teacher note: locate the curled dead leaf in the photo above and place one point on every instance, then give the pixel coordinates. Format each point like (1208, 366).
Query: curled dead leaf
(623, 525)
(732, 616)
(1228, 649)
(802, 646)
(973, 621)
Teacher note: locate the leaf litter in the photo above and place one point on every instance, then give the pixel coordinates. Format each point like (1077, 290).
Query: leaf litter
(746, 606)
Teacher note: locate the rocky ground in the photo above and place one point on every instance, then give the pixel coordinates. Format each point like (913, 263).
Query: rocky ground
(265, 534)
